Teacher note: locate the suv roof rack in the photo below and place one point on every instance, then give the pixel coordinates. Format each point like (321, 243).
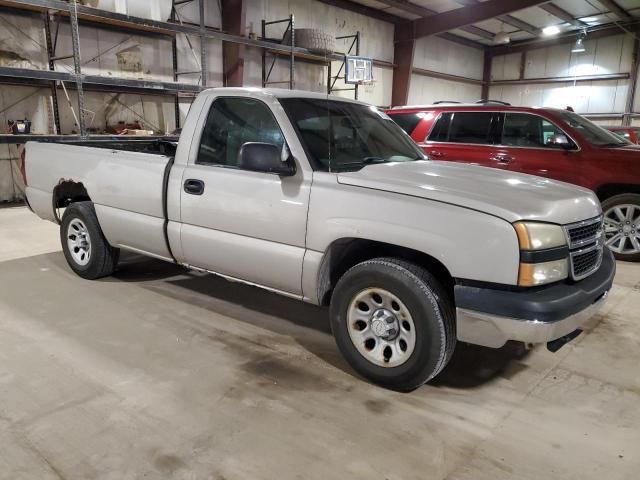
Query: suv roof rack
(445, 101)
(498, 102)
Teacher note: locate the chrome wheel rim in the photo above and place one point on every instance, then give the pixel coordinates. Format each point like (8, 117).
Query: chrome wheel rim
(79, 242)
(381, 327)
(621, 224)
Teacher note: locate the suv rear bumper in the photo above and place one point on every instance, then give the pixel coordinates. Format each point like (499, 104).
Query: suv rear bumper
(491, 317)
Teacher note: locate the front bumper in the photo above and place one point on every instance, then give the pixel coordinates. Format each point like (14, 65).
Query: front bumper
(491, 317)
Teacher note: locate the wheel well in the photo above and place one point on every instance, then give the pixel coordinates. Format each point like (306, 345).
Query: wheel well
(345, 253)
(611, 189)
(68, 192)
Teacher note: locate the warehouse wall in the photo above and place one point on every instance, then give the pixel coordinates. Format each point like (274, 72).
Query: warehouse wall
(376, 41)
(603, 56)
(440, 55)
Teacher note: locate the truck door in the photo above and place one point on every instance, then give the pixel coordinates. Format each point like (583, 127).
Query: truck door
(243, 224)
(534, 145)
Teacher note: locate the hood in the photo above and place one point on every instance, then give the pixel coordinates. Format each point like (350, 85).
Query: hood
(508, 195)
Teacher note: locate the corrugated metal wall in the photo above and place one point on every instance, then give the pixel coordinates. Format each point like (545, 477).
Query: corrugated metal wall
(608, 55)
(439, 55)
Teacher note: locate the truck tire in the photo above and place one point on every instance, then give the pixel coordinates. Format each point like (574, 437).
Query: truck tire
(622, 226)
(313, 39)
(393, 323)
(87, 251)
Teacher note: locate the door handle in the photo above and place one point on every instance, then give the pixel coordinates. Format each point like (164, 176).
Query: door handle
(193, 186)
(436, 153)
(501, 158)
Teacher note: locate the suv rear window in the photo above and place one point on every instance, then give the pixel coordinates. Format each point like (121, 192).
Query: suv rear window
(407, 121)
(463, 127)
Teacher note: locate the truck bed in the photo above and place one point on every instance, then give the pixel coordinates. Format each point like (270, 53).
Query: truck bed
(125, 184)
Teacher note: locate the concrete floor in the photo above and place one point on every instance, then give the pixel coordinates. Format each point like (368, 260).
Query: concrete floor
(161, 373)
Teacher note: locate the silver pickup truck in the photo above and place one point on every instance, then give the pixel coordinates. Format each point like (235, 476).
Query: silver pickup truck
(326, 200)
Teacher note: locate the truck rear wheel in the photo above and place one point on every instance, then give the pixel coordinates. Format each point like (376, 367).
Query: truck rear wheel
(86, 249)
(622, 226)
(393, 323)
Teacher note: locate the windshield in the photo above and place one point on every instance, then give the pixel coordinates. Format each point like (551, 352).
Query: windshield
(340, 136)
(592, 133)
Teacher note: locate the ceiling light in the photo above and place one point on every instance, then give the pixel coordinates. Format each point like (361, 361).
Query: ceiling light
(578, 47)
(551, 30)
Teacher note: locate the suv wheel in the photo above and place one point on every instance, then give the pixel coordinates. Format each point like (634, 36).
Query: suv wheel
(622, 226)
(393, 323)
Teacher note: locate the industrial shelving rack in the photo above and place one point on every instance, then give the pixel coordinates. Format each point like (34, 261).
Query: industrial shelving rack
(323, 60)
(78, 14)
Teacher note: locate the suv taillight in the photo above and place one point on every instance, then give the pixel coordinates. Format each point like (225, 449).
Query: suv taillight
(23, 167)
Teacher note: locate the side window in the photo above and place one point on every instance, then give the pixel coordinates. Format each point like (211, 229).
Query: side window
(440, 131)
(232, 122)
(524, 130)
(471, 127)
(407, 121)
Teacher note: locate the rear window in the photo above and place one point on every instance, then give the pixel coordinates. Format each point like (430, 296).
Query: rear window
(407, 121)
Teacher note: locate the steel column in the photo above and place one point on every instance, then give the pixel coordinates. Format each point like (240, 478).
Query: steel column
(50, 55)
(233, 21)
(486, 75)
(403, 52)
(203, 45)
(174, 55)
(75, 41)
(633, 81)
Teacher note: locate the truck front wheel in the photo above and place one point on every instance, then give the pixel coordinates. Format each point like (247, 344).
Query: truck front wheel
(393, 323)
(622, 225)
(86, 249)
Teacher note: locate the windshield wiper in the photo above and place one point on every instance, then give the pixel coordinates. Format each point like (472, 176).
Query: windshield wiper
(370, 160)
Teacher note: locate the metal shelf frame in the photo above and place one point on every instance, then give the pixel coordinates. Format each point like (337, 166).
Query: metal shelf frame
(77, 14)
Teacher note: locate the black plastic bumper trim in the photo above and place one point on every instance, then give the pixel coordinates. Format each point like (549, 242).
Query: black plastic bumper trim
(546, 255)
(547, 304)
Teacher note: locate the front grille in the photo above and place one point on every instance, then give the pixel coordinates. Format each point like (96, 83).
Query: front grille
(585, 247)
(584, 234)
(584, 262)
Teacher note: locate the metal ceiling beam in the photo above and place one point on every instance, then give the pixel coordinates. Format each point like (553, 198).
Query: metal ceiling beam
(399, 22)
(460, 17)
(562, 15)
(462, 41)
(508, 19)
(613, 7)
(423, 12)
(569, 37)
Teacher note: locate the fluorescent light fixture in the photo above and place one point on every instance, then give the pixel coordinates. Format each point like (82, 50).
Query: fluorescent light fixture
(550, 30)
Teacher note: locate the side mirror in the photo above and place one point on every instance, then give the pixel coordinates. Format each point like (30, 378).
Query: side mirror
(561, 141)
(264, 157)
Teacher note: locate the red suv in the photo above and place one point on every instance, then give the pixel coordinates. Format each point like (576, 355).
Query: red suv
(548, 142)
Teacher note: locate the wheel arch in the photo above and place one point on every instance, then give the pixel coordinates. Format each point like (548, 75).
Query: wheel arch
(609, 190)
(344, 253)
(67, 192)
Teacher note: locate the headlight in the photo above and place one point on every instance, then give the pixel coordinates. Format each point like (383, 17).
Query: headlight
(543, 253)
(532, 274)
(538, 236)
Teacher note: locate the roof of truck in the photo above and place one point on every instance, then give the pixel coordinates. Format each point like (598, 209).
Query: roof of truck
(277, 93)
